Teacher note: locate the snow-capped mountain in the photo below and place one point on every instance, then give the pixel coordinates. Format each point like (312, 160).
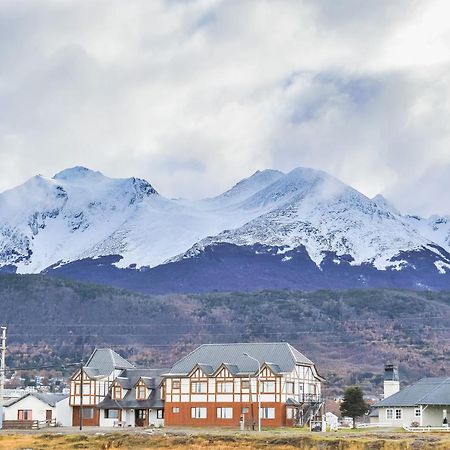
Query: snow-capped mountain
(272, 227)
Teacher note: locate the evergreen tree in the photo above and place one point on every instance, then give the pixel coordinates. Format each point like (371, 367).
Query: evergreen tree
(353, 404)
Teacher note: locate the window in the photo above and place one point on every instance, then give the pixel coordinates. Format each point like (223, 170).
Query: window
(86, 389)
(398, 414)
(160, 414)
(198, 387)
(289, 413)
(88, 413)
(268, 413)
(24, 414)
(141, 392)
(224, 413)
(117, 392)
(245, 384)
(244, 410)
(289, 388)
(112, 413)
(389, 413)
(175, 410)
(417, 412)
(176, 384)
(198, 413)
(268, 386)
(224, 387)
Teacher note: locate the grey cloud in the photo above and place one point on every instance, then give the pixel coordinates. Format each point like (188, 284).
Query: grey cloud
(195, 95)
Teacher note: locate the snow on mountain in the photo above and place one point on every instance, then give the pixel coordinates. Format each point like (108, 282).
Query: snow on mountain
(80, 213)
(311, 208)
(435, 228)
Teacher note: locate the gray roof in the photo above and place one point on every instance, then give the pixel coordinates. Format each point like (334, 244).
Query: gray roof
(427, 391)
(281, 356)
(48, 398)
(128, 380)
(103, 361)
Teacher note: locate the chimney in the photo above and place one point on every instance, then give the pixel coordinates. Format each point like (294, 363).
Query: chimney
(391, 380)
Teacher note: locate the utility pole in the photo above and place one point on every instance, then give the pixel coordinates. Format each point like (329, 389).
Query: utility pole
(81, 395)
(2, 373)
(258, 388)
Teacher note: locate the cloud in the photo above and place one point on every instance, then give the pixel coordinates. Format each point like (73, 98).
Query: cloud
(194, 95)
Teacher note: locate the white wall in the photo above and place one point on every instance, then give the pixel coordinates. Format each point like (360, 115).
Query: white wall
(153, 420)
(38, 407)
(64, 413)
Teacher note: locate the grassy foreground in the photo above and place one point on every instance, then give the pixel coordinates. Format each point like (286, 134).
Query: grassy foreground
(124, 441)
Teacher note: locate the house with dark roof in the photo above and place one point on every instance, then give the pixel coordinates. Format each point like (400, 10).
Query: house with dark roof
(425, 403)
(93, 381)
(134, 400)
(220, 384)
(48, 408)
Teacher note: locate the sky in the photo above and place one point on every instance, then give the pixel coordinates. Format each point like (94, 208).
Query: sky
(194, 95)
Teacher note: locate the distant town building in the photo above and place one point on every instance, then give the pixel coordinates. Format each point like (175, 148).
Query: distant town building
(218, 384)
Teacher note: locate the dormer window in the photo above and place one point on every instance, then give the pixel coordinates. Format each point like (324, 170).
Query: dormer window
(141, 392)
(117, 392)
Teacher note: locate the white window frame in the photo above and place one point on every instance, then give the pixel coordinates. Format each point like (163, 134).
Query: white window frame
(418, 412)
(389, 414)
(268, 413)
(160, 414)
(225, 387)
(398, 414)
(265, 387)
(199, 413)
(175, 410)
(201, 387)
(224, 413)
(290, 387)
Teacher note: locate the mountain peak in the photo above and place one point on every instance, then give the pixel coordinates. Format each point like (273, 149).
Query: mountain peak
(77, 172)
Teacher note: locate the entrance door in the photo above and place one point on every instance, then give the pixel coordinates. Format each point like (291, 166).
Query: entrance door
(48, 415)
(140, 417)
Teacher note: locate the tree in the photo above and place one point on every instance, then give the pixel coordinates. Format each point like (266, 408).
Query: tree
(353, 404)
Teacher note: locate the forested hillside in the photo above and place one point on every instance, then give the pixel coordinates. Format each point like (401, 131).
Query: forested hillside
(349, 334)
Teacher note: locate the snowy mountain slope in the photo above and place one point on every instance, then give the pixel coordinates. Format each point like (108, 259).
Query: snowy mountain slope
(313, 209)
(81, 215)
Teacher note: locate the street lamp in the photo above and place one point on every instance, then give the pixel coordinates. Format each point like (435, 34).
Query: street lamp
(258, 388)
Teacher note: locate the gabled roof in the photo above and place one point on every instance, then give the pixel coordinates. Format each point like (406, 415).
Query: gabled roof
(48, 398)
(427, 391)
(280, 355)
(128, 379)
(103, 361)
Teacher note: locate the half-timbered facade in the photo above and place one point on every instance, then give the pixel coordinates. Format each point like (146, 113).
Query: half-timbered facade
(219, 384)
(134, 400)
(96, 377)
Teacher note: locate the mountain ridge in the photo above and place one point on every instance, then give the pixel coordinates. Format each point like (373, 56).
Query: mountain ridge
(80, 215)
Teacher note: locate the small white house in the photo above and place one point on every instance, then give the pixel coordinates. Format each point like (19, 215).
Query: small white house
(51, 408)
(425, 403)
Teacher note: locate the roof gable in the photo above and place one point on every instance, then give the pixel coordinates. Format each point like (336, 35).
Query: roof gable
(103, 361)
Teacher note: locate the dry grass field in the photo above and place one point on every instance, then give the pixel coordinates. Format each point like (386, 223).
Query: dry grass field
(281, 441)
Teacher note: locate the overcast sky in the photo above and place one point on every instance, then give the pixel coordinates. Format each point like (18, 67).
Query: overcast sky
(194, 95)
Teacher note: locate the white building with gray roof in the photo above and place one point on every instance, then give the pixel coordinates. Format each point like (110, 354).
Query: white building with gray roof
(425, 403)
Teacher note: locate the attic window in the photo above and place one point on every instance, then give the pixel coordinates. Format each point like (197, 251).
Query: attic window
(117, 392)
(141, 393)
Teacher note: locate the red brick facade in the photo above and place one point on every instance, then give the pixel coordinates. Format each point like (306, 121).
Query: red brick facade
(248, 410)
